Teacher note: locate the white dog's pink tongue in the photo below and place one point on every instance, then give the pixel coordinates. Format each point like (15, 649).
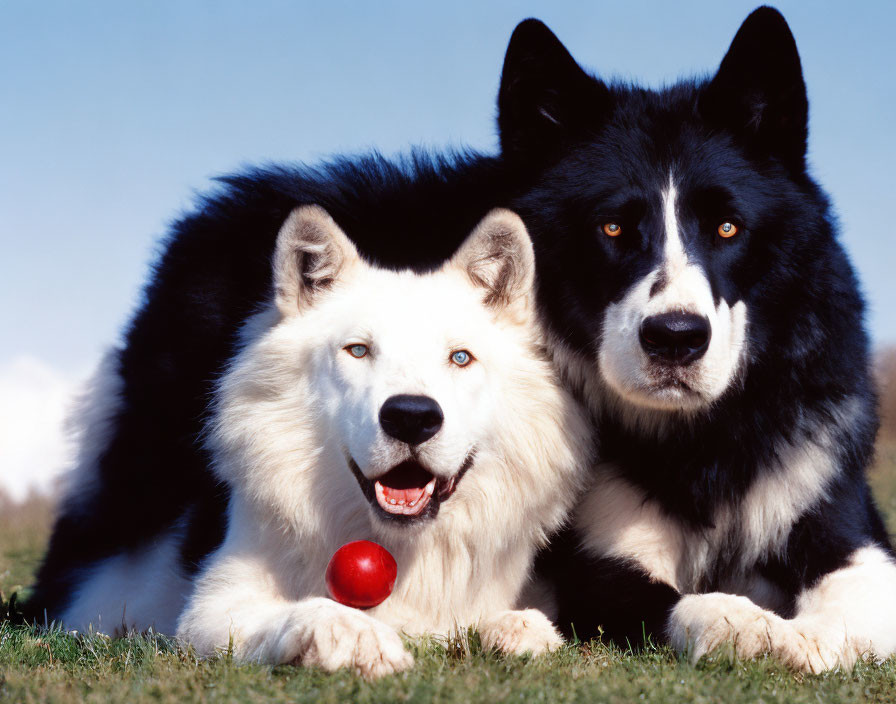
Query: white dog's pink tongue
(406, 490)
(405, 497)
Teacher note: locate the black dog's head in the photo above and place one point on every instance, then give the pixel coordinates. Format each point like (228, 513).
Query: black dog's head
(678, 236)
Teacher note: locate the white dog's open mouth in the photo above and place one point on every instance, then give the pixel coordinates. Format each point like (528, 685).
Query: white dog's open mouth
(409, 490)
(405, 490)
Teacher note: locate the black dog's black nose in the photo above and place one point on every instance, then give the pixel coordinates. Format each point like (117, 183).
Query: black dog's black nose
(411, 419)
(679, 338)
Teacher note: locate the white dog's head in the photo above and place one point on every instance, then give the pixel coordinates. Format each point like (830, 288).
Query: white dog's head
(403, 370)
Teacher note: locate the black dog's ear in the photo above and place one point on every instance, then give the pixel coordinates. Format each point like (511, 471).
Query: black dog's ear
(545, 96)
(758, 91)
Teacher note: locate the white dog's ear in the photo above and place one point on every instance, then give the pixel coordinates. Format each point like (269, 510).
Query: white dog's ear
(312, 252)
(498, 257)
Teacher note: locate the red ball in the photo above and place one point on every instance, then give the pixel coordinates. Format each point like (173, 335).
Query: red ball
(361, 574)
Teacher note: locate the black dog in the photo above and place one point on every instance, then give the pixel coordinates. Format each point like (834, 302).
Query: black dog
(700, 303)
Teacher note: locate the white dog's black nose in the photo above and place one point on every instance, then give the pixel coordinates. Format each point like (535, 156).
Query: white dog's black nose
(678, 338)
(411, 419)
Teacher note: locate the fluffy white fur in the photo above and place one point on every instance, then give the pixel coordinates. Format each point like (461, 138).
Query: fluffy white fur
(294, 406)
(628, 370)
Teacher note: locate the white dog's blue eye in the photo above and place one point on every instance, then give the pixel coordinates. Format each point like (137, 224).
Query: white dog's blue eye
(357, 351)
(461, 358)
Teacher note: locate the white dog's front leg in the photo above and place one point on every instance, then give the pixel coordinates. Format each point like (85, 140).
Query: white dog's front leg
(849, 614)
(318, 632)
(519, 632)
(236, 604)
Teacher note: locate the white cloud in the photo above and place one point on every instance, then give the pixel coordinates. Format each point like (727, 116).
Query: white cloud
(35, 448)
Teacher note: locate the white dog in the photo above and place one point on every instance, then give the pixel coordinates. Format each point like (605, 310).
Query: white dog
(414, 410)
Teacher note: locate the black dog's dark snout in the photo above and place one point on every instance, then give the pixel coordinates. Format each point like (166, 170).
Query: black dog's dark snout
(411, 419)
(679, 338)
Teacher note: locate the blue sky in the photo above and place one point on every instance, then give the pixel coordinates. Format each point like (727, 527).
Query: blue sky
(112, 114)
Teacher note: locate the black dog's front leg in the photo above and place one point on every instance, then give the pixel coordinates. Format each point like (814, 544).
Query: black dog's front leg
(605, 595)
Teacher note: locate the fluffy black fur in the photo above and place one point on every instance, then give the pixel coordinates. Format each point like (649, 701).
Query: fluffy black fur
(214, 272)
(736, 144)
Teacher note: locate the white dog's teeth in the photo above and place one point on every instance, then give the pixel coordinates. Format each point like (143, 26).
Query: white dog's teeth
(401, 502)
(392, 501)
(412, 504)
(431, 487)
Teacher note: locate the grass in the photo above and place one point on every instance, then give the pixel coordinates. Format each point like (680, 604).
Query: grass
(52, 666)
(56, 667)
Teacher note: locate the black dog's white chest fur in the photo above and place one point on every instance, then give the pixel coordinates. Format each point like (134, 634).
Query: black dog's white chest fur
(731, 548)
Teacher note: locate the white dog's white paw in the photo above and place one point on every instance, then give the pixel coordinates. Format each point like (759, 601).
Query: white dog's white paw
(339, 636)
(518, 632)
(701, 623)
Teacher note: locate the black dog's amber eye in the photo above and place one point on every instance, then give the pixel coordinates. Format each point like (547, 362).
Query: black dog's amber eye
(612, 229)
(727, 229)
